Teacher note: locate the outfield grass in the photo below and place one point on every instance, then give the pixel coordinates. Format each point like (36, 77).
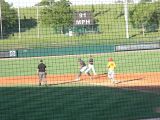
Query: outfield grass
(127, 62)
(76, 103)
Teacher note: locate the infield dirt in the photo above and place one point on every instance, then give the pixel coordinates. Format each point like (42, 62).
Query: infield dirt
(146, 82)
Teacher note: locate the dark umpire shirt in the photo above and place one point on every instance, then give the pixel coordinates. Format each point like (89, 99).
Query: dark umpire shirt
(82, 63)
(41, 67)
(91, 61)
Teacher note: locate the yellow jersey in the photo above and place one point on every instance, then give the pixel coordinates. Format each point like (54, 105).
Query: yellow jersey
(111, 65)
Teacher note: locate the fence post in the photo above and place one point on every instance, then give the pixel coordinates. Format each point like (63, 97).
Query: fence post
(1, 21)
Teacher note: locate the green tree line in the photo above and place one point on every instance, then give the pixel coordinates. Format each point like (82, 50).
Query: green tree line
(8, 17)
(146, 16)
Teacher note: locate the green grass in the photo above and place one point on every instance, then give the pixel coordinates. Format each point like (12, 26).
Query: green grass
(127, 62)
(29, 12)
(76, 103)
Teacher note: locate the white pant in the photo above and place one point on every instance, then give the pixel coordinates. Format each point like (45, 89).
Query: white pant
(111, 74)
(83, 69)
(42, 77)
(91, 67)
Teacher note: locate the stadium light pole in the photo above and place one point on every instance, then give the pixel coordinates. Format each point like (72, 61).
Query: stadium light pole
(1, 21)
(126, 17)
(19, 23)
(37, 21)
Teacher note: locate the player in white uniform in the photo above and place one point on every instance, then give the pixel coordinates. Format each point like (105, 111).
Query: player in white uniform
(83, 68)
(91, 66)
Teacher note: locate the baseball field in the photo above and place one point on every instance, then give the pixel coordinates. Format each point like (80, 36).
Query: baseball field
(59, 32)
(135, 97)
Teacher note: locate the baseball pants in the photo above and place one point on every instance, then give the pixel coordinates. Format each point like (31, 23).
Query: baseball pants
(91, 67)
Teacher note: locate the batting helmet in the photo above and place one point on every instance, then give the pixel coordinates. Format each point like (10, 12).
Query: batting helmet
(110, 59)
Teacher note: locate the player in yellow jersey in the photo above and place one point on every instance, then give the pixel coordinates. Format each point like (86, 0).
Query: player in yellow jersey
(110, 67)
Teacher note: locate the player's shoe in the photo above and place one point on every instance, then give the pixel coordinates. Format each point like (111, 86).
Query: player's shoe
(95, 74)
(91, 78)
(78, 79)
(116, 82)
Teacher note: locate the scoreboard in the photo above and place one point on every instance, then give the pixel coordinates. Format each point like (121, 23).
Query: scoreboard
(83, 18)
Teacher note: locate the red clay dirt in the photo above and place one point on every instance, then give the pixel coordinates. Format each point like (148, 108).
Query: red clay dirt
(147, 82)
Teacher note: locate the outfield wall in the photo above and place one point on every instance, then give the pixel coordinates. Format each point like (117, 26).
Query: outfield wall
(65, 51)
(141, 46)
(76, 50)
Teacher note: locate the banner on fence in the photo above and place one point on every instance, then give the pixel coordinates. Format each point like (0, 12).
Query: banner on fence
(144, 46)
(8, 54)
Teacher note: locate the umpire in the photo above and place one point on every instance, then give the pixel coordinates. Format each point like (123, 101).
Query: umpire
(41, 71)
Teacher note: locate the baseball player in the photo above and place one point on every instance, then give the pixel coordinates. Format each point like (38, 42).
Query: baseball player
(91, 66)
(41, 71)
(111, 74)
(83, 68)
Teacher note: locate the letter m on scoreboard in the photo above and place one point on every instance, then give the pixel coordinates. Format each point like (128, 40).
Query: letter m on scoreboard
(82, 18)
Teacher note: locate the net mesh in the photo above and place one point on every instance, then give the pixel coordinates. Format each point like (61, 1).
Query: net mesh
(79, 60)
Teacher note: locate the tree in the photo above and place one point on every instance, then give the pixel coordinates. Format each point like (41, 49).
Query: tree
(46, 2)
(144, 1)
(58, 14)
(145, 15)
(8, 16)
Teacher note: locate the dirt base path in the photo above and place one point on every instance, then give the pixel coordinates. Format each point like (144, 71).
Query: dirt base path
(147, 82)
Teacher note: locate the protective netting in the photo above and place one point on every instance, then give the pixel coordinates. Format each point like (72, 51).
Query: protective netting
(79, 59)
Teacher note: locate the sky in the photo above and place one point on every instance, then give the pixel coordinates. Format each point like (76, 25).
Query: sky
(29, 3)
(23, 3)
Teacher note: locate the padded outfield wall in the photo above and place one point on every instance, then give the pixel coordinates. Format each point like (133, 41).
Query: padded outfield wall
(65, 51)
